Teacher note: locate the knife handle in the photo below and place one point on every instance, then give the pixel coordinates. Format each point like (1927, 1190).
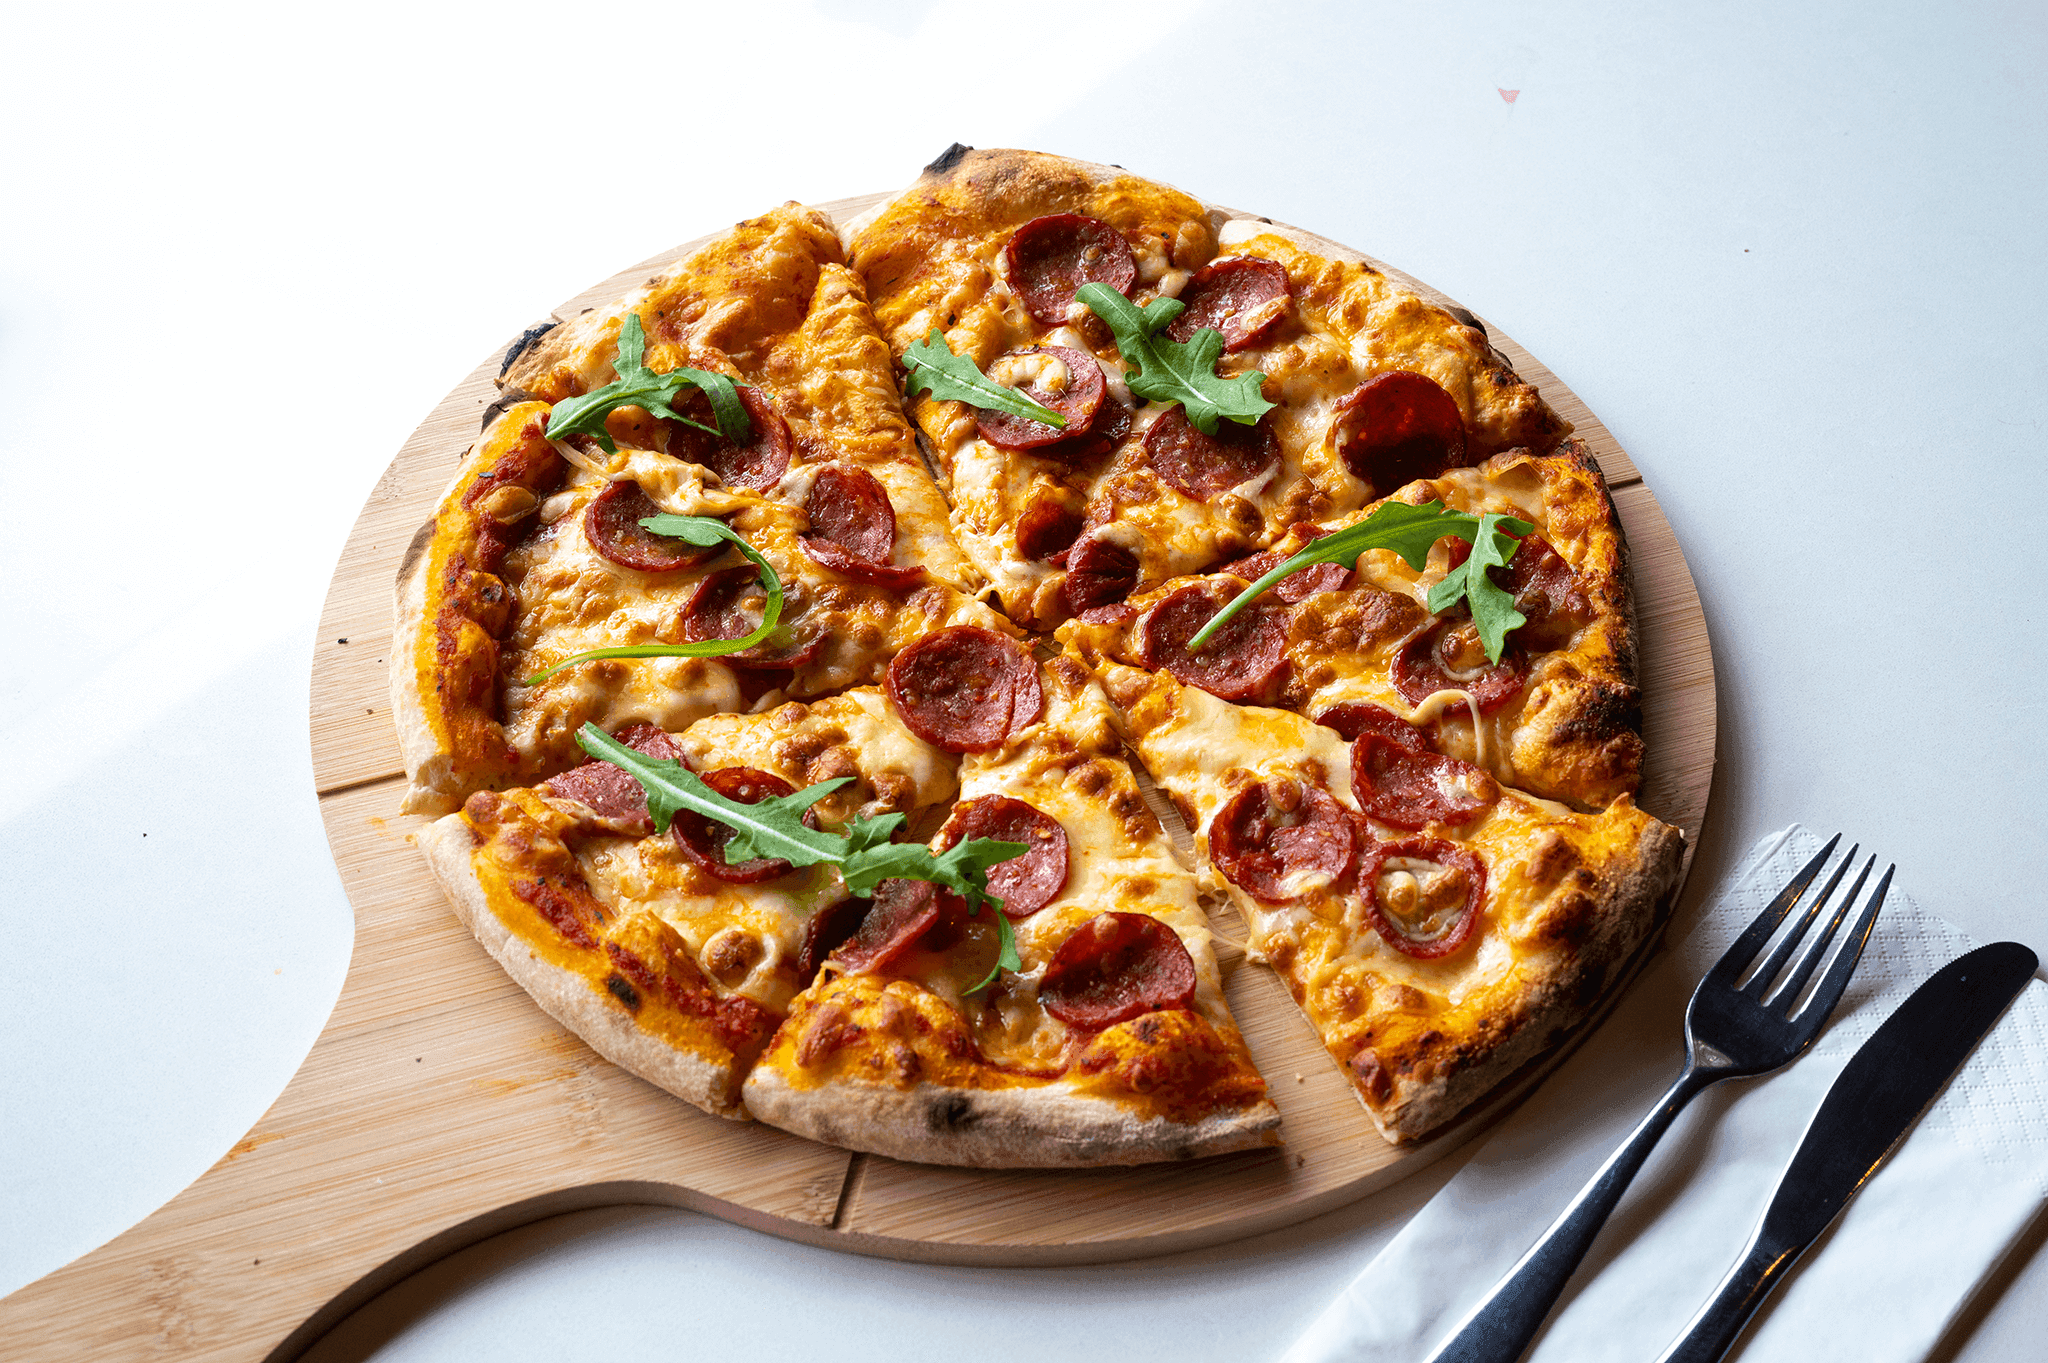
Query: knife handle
(1713, 1331)
(1499, 1329)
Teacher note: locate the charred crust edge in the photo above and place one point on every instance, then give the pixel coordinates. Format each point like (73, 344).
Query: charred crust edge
(525, 341)
(953, 1112)
(947, 159)
(420, 539)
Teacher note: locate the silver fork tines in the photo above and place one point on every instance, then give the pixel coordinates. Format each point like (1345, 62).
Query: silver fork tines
(1730, 1031)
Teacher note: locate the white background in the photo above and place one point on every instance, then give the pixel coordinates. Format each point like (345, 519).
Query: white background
(1792, 255)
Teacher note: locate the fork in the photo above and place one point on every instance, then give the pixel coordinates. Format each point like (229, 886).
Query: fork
(1730, 1033)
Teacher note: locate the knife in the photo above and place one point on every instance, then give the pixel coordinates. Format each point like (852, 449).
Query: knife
(1875, 1101)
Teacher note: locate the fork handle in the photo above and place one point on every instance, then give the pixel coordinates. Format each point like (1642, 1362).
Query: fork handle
(1499, 1329)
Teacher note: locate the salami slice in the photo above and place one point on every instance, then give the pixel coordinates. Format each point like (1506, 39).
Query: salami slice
(728, 604)
(759, 463)
(1243, 661)
(1114, 967)
(1356, 718)
(618, 802)
(853, 528)
(1099, 573)
(1397, 427)
(1446, 655)
(1241, 297)
(901, 912)
(1078, 397)
(1547, 593)
(1046, 528)
(612, 524)
(1280, 838)
(965, 689)
(1422, 895)
(702, 840)
(1050, 258)
(1025, 883)
(1410, 789)
(1205, 466)
(829, 929)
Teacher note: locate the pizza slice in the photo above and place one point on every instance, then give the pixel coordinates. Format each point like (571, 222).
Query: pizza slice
(538, 553)
(1434, 951)
(1108, 1041)
(668, 958)
(1365, 385)
(1358, 649)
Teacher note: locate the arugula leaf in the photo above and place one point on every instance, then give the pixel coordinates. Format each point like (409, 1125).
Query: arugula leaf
(639, 386)
(1493, 607)
(1410, 531)
(1176, 371)
(702, 531)
(934, 368)
(774, 827)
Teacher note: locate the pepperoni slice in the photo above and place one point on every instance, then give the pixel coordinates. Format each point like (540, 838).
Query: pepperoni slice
(1278, 839)
(1025, 883)
(612, 523)
(965, 689)
(1241, 297)
(1302, 583)
(1114, 967)
(829, 929)
(1447, 654)
(1050, 258)
(853, 527)
(1099, 573)
(703, 839)
(1433, 908)
(1356, 718)
(1409, 789)
(618, 801)
(758, 464)
(1204, 466)
(1078, 398)
(1242, 661)
(1397, 427)
(1112, 423)
(1046, 528)
(901, 912)
(1547, 593)
(727, 605)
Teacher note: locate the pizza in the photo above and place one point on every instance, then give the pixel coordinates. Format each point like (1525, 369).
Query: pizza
(792, 655)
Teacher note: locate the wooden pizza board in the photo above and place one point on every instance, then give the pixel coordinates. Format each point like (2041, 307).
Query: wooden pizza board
(439, 1106)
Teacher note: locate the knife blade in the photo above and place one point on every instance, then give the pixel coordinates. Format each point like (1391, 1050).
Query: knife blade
(1879, 1096)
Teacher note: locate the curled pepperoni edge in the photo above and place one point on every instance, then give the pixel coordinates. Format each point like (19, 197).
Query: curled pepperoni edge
(1085, 986)
(1197, 466)
(1353, 718)
(696, 835)
(914, 686)
(1443, 854)
(1387, 800)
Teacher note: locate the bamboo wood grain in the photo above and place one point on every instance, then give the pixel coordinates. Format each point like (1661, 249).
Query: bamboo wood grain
(440, 1106)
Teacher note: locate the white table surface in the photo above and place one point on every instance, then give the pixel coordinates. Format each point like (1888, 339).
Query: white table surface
(1792, 255)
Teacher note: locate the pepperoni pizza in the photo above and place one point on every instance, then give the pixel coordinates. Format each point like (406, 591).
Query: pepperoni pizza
(1433, 841)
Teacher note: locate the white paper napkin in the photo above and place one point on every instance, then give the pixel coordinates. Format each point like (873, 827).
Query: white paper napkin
(1884, 1282)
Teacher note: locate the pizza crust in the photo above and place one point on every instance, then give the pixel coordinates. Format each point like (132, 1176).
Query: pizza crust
(1038, 1127)
(564, 995)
